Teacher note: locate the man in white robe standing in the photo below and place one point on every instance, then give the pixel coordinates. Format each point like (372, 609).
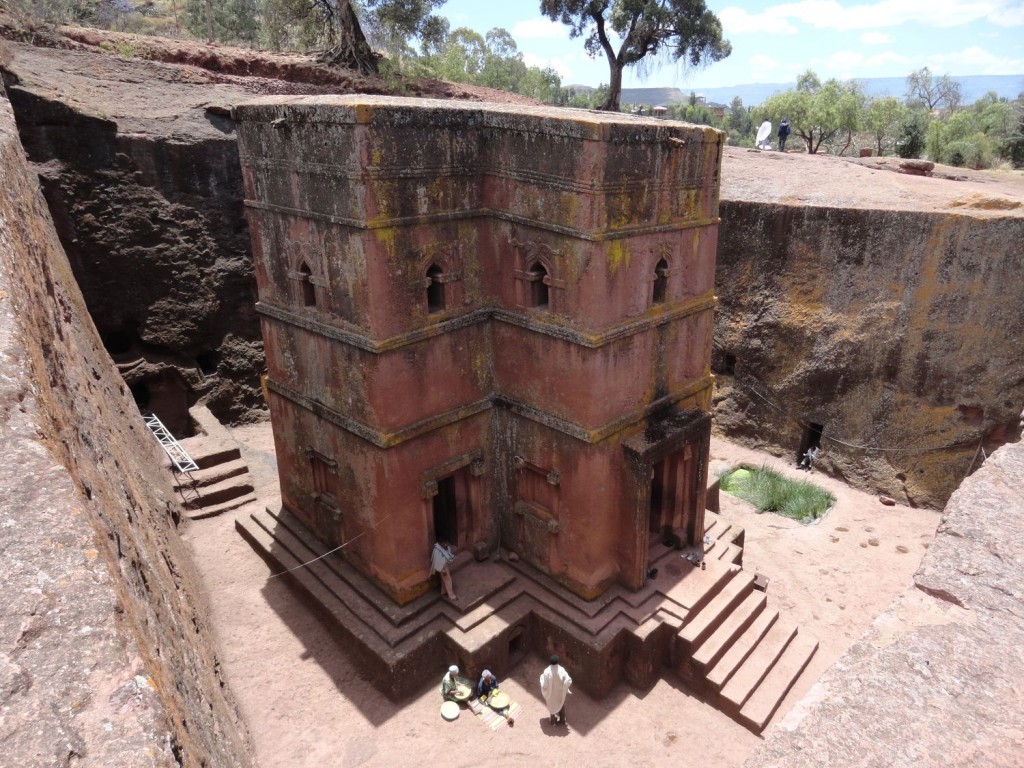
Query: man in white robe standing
(554, 684)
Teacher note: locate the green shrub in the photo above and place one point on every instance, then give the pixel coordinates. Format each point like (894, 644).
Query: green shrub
(769, 491)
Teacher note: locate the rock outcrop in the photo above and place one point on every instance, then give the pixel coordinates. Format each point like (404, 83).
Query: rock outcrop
(107, 659)
(146, 195)
(939, 677)
(880, 307)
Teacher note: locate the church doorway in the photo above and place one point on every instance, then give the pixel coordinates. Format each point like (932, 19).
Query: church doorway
(453, 512)
(674, 495)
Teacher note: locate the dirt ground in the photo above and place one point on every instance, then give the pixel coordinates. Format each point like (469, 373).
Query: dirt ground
(305, 704)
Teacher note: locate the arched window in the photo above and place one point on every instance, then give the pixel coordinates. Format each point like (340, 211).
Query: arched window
(660, 281)
(308, 289)
(435, 290)
(536, 275)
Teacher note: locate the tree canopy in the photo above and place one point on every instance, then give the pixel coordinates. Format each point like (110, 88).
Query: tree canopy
(817, 111)
(493, 60)
(933, 92)
(645, 29)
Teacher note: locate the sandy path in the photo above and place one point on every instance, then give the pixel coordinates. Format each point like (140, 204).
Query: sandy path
(305, 704)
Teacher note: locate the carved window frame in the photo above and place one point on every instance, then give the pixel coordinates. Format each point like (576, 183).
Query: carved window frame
(324, 473)
(446, 278)
(310, 287)
(528, 256)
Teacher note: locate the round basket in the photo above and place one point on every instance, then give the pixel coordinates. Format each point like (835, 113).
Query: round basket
(450, 710)
(499, 700)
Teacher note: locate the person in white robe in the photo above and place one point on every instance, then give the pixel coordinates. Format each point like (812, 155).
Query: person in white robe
(554, 685)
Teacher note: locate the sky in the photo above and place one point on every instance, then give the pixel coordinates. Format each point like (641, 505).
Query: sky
(774, 42)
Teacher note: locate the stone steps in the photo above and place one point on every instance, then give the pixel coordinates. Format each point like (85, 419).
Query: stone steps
(741, 648)
(219, 492)
(708, 653)
(702, 623)
(763, 702)
(202, 478)
(757, 665)
(207, 452)
(728, 553)
(222, 482)
(212, 510)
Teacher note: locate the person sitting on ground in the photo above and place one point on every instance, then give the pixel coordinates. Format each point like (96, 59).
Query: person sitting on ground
(488, 685)
(449, 684)
(440, 558)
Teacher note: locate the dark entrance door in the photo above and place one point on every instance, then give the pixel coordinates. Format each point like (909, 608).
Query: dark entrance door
(811, 439)
(673, 498)
(446, 514)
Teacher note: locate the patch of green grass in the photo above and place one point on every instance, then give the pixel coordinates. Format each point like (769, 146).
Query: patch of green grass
(769, 491)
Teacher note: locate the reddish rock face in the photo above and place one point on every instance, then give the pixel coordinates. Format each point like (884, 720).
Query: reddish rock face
(486, 325)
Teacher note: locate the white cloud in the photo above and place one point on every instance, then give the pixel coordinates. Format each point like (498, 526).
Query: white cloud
(1011, 16)
(829, 14)
(875, 38)
(977, 59)
(882, 59)
(736, 21)
(540, 28)
(571, 67)
(850, 65)
(765, 69)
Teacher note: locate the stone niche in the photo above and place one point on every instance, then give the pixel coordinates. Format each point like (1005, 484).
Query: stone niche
(487, 325)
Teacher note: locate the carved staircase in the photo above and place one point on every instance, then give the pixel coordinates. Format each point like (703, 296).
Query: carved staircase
(221, 481)
(739, 652)
(710, 626)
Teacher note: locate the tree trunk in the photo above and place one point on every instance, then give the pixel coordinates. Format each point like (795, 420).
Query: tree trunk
(611, 104)
(351, 51)
(849, 141)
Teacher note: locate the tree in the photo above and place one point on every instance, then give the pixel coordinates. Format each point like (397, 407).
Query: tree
(739, 122)
(390, 24)
(230, 21)
(1015, 143)
(349, 30)
(975, 137)
(494, 60)
(348, 45)
(912, 131)
(818, 111)
(933, 93)
(883, 120)
(675, 29)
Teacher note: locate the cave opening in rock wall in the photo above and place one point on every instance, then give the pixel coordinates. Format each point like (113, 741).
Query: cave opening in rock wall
(167, 396)
(118, 342)
(811, 438)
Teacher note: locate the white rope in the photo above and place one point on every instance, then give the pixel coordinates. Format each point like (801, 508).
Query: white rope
(331, 552)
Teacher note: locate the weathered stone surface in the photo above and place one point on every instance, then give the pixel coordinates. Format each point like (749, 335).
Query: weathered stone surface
(939, 678)
(469, 409)
(147, 199)
(881, 306)
(917, 167)
(105, 656)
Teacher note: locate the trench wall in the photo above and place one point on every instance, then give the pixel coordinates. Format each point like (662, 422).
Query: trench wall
(106, 658)
(900, 332)
(153, 226)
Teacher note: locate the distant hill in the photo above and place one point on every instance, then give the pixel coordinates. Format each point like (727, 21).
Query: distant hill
(752, 94)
